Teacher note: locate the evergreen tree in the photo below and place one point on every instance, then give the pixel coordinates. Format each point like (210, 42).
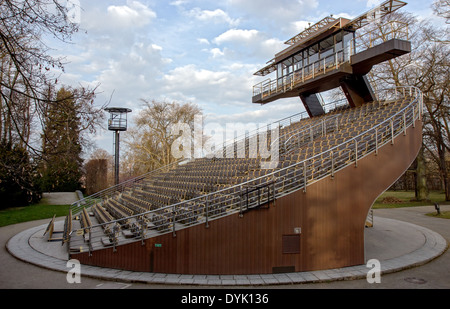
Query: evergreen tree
(61, 145)
(17, 177)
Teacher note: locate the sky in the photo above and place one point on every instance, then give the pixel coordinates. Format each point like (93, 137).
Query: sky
(198, 51)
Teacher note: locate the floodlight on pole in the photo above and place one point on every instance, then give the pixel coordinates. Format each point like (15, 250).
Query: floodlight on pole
(117, 122)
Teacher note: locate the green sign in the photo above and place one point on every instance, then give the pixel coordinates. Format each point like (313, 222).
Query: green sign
(158, 245)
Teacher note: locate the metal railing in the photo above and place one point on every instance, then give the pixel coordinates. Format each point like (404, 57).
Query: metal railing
(380, 33)
(288, 82)
(282, 181)
(239, 143)
(311, 133)
(111, 191)
(236, 143)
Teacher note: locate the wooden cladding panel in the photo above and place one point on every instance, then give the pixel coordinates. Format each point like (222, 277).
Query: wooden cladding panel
(132, 256)
(331, 215)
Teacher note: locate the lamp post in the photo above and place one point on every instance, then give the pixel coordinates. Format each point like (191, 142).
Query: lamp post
(117, 122)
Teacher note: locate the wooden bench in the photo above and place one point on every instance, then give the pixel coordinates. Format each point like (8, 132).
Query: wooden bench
(51, 231)
(86, 223)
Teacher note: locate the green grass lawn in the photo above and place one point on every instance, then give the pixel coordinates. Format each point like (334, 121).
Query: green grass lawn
(443, 214)
(32, 212)
(396, 199)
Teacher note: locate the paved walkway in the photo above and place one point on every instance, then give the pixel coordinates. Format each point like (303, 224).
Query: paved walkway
(398, 245)
(59, 198)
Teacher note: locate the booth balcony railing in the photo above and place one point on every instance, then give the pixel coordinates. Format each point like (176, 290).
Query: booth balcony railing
(238, 198)
(373, 36)
(288, 82)
(378, 33)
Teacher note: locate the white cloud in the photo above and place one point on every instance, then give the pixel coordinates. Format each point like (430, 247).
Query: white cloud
(209, 88)
(116, 53)
(156, 47)
(299, 26)
(216, 52)
(237, 35)
(216, 16)
(179, 2)
(258, 114)
(240, 43)
(128, 17)
(373, 3)
(190, 79)
(203, 41)
(279, 13)
(130, 74)
(345, 15)
(134, 14)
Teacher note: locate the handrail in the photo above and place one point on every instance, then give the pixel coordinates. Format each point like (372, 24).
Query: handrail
(85, 201)
(323, 126)
(91, 199)
(247, 193)
(285, 180)
(395, 29)
(269, 87)
(287, 121)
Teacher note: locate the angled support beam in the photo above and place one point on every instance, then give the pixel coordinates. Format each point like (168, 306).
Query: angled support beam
(312, 104)
(357, 90)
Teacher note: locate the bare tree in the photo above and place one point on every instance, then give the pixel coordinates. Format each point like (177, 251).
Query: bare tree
(96, 175)
(426, 67)
(442, 8)
(436, 86)
(149, 143)
(102, 154)
(26, 65)
(27, 83)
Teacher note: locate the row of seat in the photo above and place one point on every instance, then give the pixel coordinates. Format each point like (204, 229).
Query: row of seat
(85, 223)
(67, 227)
(182, 181)
(218, 177)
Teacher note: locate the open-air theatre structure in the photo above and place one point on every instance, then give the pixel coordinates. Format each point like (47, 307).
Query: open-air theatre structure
(307, 210)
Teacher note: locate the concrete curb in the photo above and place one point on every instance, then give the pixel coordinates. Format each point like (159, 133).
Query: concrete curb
(434, 245)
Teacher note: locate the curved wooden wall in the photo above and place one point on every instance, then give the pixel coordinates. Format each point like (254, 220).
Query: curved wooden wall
(331, 217)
